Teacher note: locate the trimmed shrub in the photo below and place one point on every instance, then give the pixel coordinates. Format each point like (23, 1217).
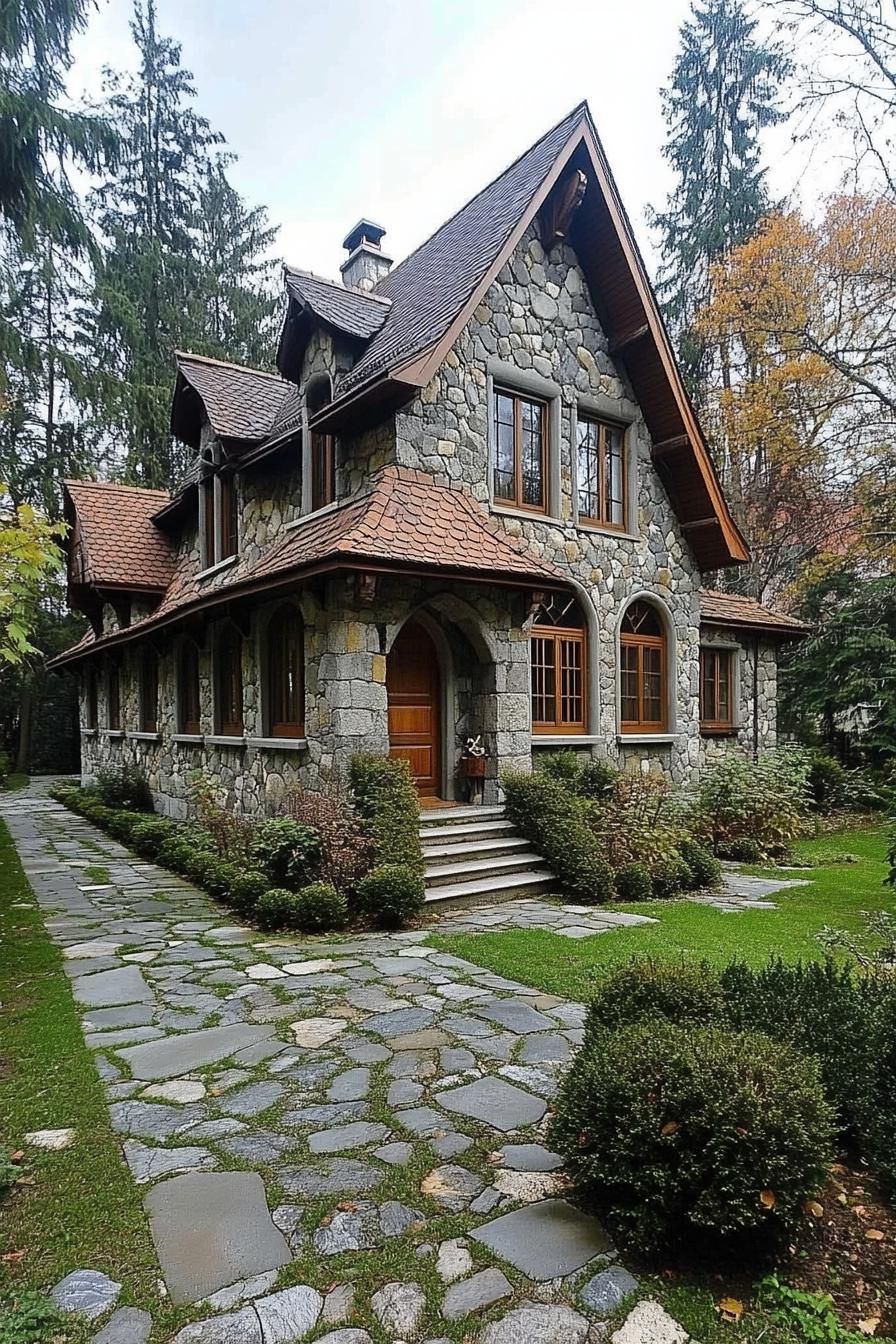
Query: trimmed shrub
(693, 1130)
(562, 765)
(176, 851)
(123, 786)
(764, 799)
(221, 878)
(597, 779)
(703, 866)
(247, 891)
(391, 895)
(670, 876)
(644, 990)
(634, 883)
(287, 851)
(150, 835)
(123, 824)
(386, 800)
(741, 849)
(200, 864)
(319, 907)
(274, 908)
(556, 821)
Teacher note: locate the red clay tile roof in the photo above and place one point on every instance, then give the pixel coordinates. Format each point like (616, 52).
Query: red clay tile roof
(115, 543)
(732, 609)
(406, 520)
(241, 403)
(357, 314)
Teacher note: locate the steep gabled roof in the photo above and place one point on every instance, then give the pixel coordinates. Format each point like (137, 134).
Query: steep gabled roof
(718, 608)
(405, 522)
(351, 311)
(114, 543)
(240, 403)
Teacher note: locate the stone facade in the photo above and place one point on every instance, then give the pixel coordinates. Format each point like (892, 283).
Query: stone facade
(536, 331)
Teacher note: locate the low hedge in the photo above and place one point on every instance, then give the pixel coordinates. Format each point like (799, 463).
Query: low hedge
(555, 820)
(645, 990)
(386, 801)
(315, 909)
(693, 1131)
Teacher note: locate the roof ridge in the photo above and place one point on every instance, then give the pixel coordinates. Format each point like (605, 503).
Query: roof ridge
(228, 364)
(335, 284)
(576, 111)
(70, 481)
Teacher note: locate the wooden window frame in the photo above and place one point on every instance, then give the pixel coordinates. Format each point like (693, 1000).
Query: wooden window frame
(227, 510)
(229, 641)
(113, 678)
(719, 656)
(277, 674)
(188, 674)
(517, 502)
(602, 426)
(207, 500)
(323, 470)
(561, 635)
(149, 682)
(642, 643)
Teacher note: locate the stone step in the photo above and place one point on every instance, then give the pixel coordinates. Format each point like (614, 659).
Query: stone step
(448, 852)
(530, 882)
(454, 816)
(467, 830)
(438, 874)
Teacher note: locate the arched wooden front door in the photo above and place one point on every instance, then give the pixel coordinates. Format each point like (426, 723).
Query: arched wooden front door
(414, 688)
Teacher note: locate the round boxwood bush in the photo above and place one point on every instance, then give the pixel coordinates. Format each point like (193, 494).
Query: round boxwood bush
(221, 879)
(318, 907)
(274, 908)
(739, 849)
(670, 876)
(391, 895)
(634, 883)
(645, 990)
(703, 866)
(693, 1132)
(247, 891)
(175, 852)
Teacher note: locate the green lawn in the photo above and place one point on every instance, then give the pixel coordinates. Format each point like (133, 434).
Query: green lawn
(12, 782)
(836, 896)
(77, 1208)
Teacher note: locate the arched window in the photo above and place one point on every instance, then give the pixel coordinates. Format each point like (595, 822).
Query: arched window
(188, 711)
(285, 663)
(643, 695)
(113, 698)
(322, 446)
(229, 683)
(558, 655)
(149, 692)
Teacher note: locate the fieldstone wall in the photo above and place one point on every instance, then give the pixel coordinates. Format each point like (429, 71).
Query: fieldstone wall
(748, 713)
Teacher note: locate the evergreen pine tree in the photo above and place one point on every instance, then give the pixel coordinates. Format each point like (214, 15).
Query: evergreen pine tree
(723, 92)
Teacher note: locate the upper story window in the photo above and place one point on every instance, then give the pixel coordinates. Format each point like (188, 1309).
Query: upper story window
(149, 692)
(558, 650)
(113, 698)
(716, 690)
(600, 472)
(188, 703)
(218, 510)
(521, 450)
(91, 716)
(284, 659)
(229, 682)
(322, 446)
(643, 671)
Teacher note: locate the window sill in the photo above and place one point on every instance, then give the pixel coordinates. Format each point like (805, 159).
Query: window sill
(723, 730)
(531, 515)
(312, 514)
(145, 737)
(217, 567)
(113, 732)
(88, 732)
(619, 533)
(219, 740)
(278, 743)
(641, 739)
(188, 739)
(566, 739)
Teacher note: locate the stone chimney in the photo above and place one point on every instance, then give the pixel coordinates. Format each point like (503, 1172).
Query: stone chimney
(366, 263)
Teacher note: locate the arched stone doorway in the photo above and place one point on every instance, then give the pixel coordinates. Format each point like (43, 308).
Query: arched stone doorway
(414, 688)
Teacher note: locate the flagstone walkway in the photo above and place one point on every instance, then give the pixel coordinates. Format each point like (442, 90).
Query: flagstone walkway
(328, 1138)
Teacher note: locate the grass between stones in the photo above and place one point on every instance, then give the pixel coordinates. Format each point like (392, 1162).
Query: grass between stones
(78, 1208)
(836, 896)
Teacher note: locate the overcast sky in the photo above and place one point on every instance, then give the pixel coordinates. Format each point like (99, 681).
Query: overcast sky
(401, 110)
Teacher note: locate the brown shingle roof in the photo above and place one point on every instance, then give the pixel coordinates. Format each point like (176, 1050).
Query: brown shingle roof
(357, 314)
(429, 287)
(240, 403)
(115, 543)
(406, 520)
(733, 609)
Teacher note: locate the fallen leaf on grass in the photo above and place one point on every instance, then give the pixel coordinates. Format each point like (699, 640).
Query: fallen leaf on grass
(13, 1257)
(730, 1309)
(873, 1234)
(670, 1127)
(812, 1206)
(768, 1199)
(869, 1325)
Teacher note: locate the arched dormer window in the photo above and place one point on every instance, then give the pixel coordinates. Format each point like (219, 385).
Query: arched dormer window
(643, 659)
(322, 446)
(558, 645)
(229, 682)
(284, 659)
(188, 703)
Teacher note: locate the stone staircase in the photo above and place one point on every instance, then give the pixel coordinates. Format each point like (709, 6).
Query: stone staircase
(474, 854)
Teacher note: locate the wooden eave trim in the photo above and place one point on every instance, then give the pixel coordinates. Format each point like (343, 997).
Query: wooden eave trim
(756, 627)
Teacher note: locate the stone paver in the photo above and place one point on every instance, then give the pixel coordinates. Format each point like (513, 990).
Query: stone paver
(327, 1069)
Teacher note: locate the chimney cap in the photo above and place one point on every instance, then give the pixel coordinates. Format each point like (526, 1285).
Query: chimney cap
(365, 231)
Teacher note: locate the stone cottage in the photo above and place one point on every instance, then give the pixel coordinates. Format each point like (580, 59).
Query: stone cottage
(474, 501)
